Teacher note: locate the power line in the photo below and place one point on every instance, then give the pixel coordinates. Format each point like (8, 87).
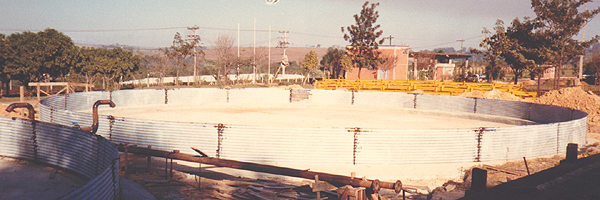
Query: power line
(445, 43)
(98, 30)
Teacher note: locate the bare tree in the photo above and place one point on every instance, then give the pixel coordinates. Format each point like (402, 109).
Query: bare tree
(226, 59)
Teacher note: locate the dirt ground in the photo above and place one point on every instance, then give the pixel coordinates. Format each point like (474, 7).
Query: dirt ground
(26, 180)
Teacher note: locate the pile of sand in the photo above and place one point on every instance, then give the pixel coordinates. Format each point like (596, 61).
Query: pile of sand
(493, 94)
(575, 98)
(287, 87)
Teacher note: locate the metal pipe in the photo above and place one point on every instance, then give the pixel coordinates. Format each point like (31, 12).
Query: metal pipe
(94, 126)
(332, 178)
(12, 107)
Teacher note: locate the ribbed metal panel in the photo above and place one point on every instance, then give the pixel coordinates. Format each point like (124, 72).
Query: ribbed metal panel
(78, 151)
(394, 99)
(445, 103)
(517, 142)
(165, 135)
(415, 146)
(84, 102)
(287, 145)
(124, 98)
(282, 146)
(502, 108)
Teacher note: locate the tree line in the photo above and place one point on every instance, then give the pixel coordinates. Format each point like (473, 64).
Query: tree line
(539, 43)
(49, 55)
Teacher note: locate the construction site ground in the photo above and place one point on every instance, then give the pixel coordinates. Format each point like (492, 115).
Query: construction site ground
(224, 183)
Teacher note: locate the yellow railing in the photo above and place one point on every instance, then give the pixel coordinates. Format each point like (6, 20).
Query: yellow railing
(429, 87)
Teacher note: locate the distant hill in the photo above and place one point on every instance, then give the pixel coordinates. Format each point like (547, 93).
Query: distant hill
(293, 53)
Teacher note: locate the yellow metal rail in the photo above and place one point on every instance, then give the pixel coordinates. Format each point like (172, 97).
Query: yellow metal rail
(429, 87)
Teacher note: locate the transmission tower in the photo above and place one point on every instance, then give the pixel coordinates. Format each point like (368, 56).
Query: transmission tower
(461, 44)
(194, 38)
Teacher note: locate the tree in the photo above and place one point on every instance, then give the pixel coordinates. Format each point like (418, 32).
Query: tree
(34, 56)
(58, 53)
(363, 38)
(4, 78)
(332, 62)
(180, 50)
(109, 65)
(492, 53)
(518, 50)
(21, 60)
(346, 65)
(226, 60)
(310, 63)
(158, 66)
(593, 66)
(559, 21)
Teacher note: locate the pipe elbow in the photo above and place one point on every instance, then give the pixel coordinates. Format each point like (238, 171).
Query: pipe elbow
(104, 102)
(29, 107)
(94, 127)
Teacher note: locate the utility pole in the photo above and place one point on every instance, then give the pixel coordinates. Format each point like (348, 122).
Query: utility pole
(284, 45)
(194, 38)
(580, 75)
(269, 64)
(461, 45)
(390, 39)
(254, 55)
(238, 40)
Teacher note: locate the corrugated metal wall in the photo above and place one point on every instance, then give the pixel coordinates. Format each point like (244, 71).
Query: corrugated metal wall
(84, 153)
(353, 146)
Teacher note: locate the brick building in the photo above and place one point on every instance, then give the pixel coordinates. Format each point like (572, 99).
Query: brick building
(396, 67)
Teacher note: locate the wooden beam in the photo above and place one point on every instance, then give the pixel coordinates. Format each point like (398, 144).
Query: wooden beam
(332, 178)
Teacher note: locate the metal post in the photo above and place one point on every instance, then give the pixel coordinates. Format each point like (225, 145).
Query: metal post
(126, 160)
(22, 98)
(478, 180)
(571, 152)
(149, 161)
(199, 173)
(526, 166)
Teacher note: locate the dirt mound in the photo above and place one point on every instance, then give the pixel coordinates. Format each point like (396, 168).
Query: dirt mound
(493, 94)
(575, 98)
(530, 82)
(287, 87)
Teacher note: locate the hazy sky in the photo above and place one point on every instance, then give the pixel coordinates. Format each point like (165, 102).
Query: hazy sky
(420, 24)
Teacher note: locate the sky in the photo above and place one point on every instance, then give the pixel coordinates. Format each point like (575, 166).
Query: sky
(419, 24)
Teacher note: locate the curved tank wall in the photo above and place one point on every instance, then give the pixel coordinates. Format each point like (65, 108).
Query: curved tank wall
(555, 127)
(72, 149)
